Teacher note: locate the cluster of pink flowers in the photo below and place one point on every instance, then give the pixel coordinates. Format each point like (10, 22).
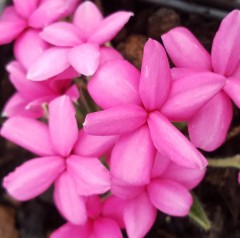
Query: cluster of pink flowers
(149, 164)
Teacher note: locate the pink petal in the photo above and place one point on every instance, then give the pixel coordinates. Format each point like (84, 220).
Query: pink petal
(73, 93)
(170, 197)
(161, 164)
(29, 47)
(87, 17)
(30, 90)
(113, 207)
(225, 48)
(51, 11)
(94, 206)
(73, 231)
(62, 34)
(85, 58)
(189, 178)
(185, 50)
(90, 176)
(188, 94)
(11, 25)
(28, 133)
(62, 125)
(25, 7)
(232, 88)
(134, 148)
(43, 68)
(208, 128)
(33, 177)
(69, 73)
(115, 121)
(139, 216)
(155, 79)
(109, 27)
(16, 106)
(68, 202)
(94, 146)
(106, 228)
(125, 190)
(108, 53)
(172, 143)
(121, 79)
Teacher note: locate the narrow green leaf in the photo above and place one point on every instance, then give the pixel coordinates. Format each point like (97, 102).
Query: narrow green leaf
(198, 215)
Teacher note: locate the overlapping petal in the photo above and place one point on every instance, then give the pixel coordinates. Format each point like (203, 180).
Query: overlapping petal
(155, 79)
(172, 143)
(115, 121)
(69, 203)
(232, 88)
(62, 125)
(189, 93)
(25, 7)
(85, 58)
(109, 27)
(62, 34)
(33, 177)
(93, 146)
(185, 50)
(133, 148)
(28, 133)
(209, 126)
(139, 216)
(43, 68)
(115, 83)
(225, 48)
(170, 197)
(90, 176)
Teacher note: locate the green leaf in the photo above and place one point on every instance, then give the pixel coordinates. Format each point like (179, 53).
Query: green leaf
(198, 215)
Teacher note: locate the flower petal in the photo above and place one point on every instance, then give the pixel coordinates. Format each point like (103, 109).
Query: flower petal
(225, 48)
(62, 125)
(139, 216)
(94, 146)
(232, 88)
(172, 143)
(121, 79)
(69, 203)
(85, 58)
(185, 50)
(155, 79)
(170, 197)
(51, 11)
(90, 176)
(87, 17)
(108, 53)
(161, 163)
(109, 27)
(25, 7)
(61, 34)
(43, 68)
(106, 228)
(188, 94)
(28, 47)
(73, 231)
(133, 148)
(28, 133)
(206, 135)
(115, 121)
(33, 177)
(189, 178)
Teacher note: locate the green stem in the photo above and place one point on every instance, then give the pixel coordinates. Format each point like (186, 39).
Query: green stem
(233, 162)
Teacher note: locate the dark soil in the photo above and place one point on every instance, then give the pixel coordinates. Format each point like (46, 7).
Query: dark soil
(219, 192)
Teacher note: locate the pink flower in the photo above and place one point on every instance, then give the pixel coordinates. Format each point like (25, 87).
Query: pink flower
(104, 220)
(209, 125)
(78, 44)
(168, 191)
(75, 175)
(133, 111)
(30, 96)
(32, 13)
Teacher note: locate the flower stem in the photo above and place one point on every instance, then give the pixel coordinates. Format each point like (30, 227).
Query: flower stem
(232, 162)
